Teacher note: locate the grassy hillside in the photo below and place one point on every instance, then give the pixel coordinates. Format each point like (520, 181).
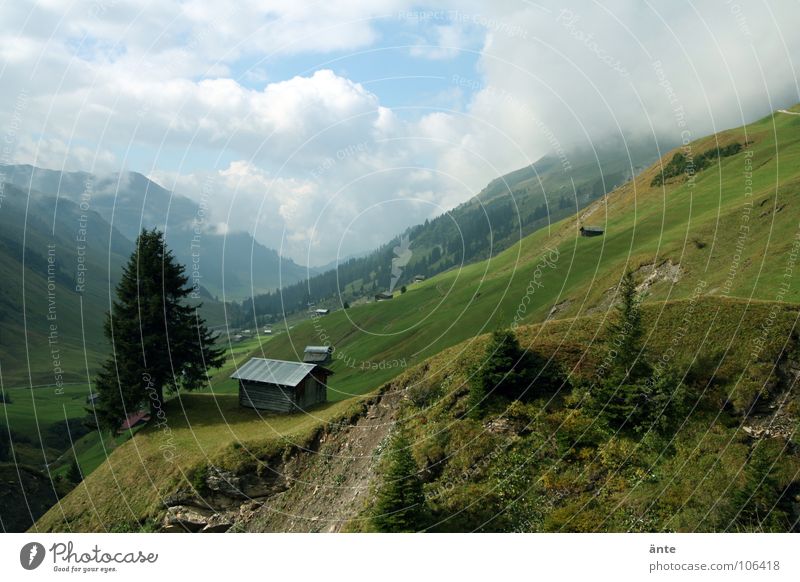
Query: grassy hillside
(211, 429)
(676, 237)
(551, 464)
(508, 209)
(720, 241)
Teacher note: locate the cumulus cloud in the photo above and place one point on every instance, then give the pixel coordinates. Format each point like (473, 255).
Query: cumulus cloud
(314, 162)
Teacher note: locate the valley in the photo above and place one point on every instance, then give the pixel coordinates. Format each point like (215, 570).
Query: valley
(712, 253)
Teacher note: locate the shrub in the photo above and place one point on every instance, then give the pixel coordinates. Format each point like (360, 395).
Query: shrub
(763, 504)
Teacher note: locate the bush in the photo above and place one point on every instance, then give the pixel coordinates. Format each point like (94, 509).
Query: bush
(424, 393)
(763, 503)
(681, 164)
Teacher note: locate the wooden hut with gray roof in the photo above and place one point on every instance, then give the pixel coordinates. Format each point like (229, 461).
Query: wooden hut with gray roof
(281, 386)
(317, 354)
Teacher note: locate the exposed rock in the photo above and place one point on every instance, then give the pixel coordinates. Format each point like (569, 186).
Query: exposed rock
(225, 482)
(559, 307)
(218, 523)
(500, 426)
(186, 518)
(665, 271)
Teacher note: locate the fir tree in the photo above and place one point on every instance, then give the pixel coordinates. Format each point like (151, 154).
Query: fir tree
(5, 443)
(400, 504)
(511, 372)
(74, 473)
(633, 395)
(158, 341)
(627, 331)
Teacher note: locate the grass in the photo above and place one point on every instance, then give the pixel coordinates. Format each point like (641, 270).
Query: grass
(204, 429)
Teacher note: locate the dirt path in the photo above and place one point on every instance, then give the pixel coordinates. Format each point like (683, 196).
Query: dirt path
(332, 485)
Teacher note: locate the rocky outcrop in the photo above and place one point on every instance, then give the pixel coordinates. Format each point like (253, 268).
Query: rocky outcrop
(776, 417)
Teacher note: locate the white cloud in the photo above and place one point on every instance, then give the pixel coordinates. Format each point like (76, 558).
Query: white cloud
(297, 158)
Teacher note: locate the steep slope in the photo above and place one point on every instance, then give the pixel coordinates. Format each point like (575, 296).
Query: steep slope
(507, 210)
(129, 202)
(58, 267)
(221, 466)
(707, 291)
(729, 230)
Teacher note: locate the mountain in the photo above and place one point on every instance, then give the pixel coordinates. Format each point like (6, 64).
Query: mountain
(59, 265)
(712, 247)
(507, 210)
(233, 265)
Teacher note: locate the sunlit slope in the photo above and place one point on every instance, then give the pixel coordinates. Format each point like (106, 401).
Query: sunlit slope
(728, 231)
(130, 489)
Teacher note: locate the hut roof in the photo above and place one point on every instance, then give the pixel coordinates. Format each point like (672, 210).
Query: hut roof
(135, 419)
(319, 354)
(278, 372)
(318, 349)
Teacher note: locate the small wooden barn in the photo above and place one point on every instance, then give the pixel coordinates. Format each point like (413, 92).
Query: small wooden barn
(281, 386)
(591, 231)
(317, 354)
(383, 296)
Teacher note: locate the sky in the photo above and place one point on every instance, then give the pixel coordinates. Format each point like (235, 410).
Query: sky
(326, 128)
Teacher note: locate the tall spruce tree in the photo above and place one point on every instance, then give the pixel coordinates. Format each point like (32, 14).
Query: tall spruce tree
(628, 331)
(158, 341)
(400, 505)
(632, 396)
(512, 372)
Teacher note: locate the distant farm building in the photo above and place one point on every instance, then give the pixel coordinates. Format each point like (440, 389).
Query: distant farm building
(591, 231)
(322, 311)
(419, 278)
(281, 386)
(267, 331)
(135, 419)
(317, 354)
(383, 296)
(93, 398)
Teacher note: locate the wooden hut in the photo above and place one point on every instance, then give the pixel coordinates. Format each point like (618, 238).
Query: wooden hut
(281, 386)
(317, 354)
(383, 296)
(591, 231)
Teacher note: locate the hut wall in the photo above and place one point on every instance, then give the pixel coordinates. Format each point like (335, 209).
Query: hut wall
(311, 392)
(266, 396)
